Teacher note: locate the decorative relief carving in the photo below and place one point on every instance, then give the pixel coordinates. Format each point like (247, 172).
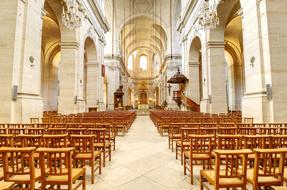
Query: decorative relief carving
(143, 6)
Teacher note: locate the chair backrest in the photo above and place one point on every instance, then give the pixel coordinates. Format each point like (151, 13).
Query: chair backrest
(231, 164)
(6, 140)
(269, 163)
(35, 131)
(99, 134)
(34, 120)
(257, 141)
(19, 161)
(76, 131)
(229, 142)
(278, 141)
(55, 141)
(201, 144)
(28, 140)
(83, 143)
(56, 131)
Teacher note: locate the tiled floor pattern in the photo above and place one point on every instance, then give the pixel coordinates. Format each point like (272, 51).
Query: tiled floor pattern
(142, 161)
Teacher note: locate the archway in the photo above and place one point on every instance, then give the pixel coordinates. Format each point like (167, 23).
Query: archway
(91, 72)
(234, 59)
(50, 59)
(195, 71)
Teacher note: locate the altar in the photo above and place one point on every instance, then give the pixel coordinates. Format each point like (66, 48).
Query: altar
(143, 106)
(143, 109)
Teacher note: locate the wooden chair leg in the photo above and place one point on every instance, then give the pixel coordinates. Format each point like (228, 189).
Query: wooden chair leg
(181, 155)
(92, 171)
(104, 157)
(176, 149)
(110, 153)
(201, 182)
(114, 144)
(84, 182)
(191, 172)
(184, 165)
(100, 165)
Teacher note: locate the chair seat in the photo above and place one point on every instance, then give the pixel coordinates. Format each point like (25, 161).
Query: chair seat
(196, 156)
(6, 185)
(279, 188)
(175, 136)
(87, 155)
(184, 144)
(25, 177)
(261, 179)
(100, 145)
(76, 173)
(223, 182)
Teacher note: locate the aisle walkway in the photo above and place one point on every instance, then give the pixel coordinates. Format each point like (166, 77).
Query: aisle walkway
(142, 161)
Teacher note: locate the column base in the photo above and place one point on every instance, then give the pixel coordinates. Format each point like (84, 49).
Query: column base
(258, 107)
(25, 107)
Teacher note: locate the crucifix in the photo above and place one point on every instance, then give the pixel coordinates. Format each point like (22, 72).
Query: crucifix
(169, 87)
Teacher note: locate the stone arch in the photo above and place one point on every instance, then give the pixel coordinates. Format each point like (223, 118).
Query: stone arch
(233, 37)
(195, 70)
(50, 58)
(91, 72)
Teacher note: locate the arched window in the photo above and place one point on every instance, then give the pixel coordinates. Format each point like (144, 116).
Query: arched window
(130, 62)
(143, 62)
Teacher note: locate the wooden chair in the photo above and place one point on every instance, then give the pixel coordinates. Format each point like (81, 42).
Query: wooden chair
(110, 134)
(56, 169)
(175, 134)
(268, 168)
(19, 167)
(229, 170)
(199, 151)
(34, 120)
(100, 143)
(84, 151)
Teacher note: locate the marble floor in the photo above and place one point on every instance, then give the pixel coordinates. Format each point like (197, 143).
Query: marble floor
(142, 161)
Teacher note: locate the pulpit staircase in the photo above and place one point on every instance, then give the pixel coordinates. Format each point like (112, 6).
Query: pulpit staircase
(180, 98)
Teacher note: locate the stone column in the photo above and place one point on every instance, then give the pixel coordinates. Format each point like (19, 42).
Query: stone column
(113, 74)
(8, 21)
(20, 62)
(68, 78)
(277, 30)
(256, 63)
(217, 77)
